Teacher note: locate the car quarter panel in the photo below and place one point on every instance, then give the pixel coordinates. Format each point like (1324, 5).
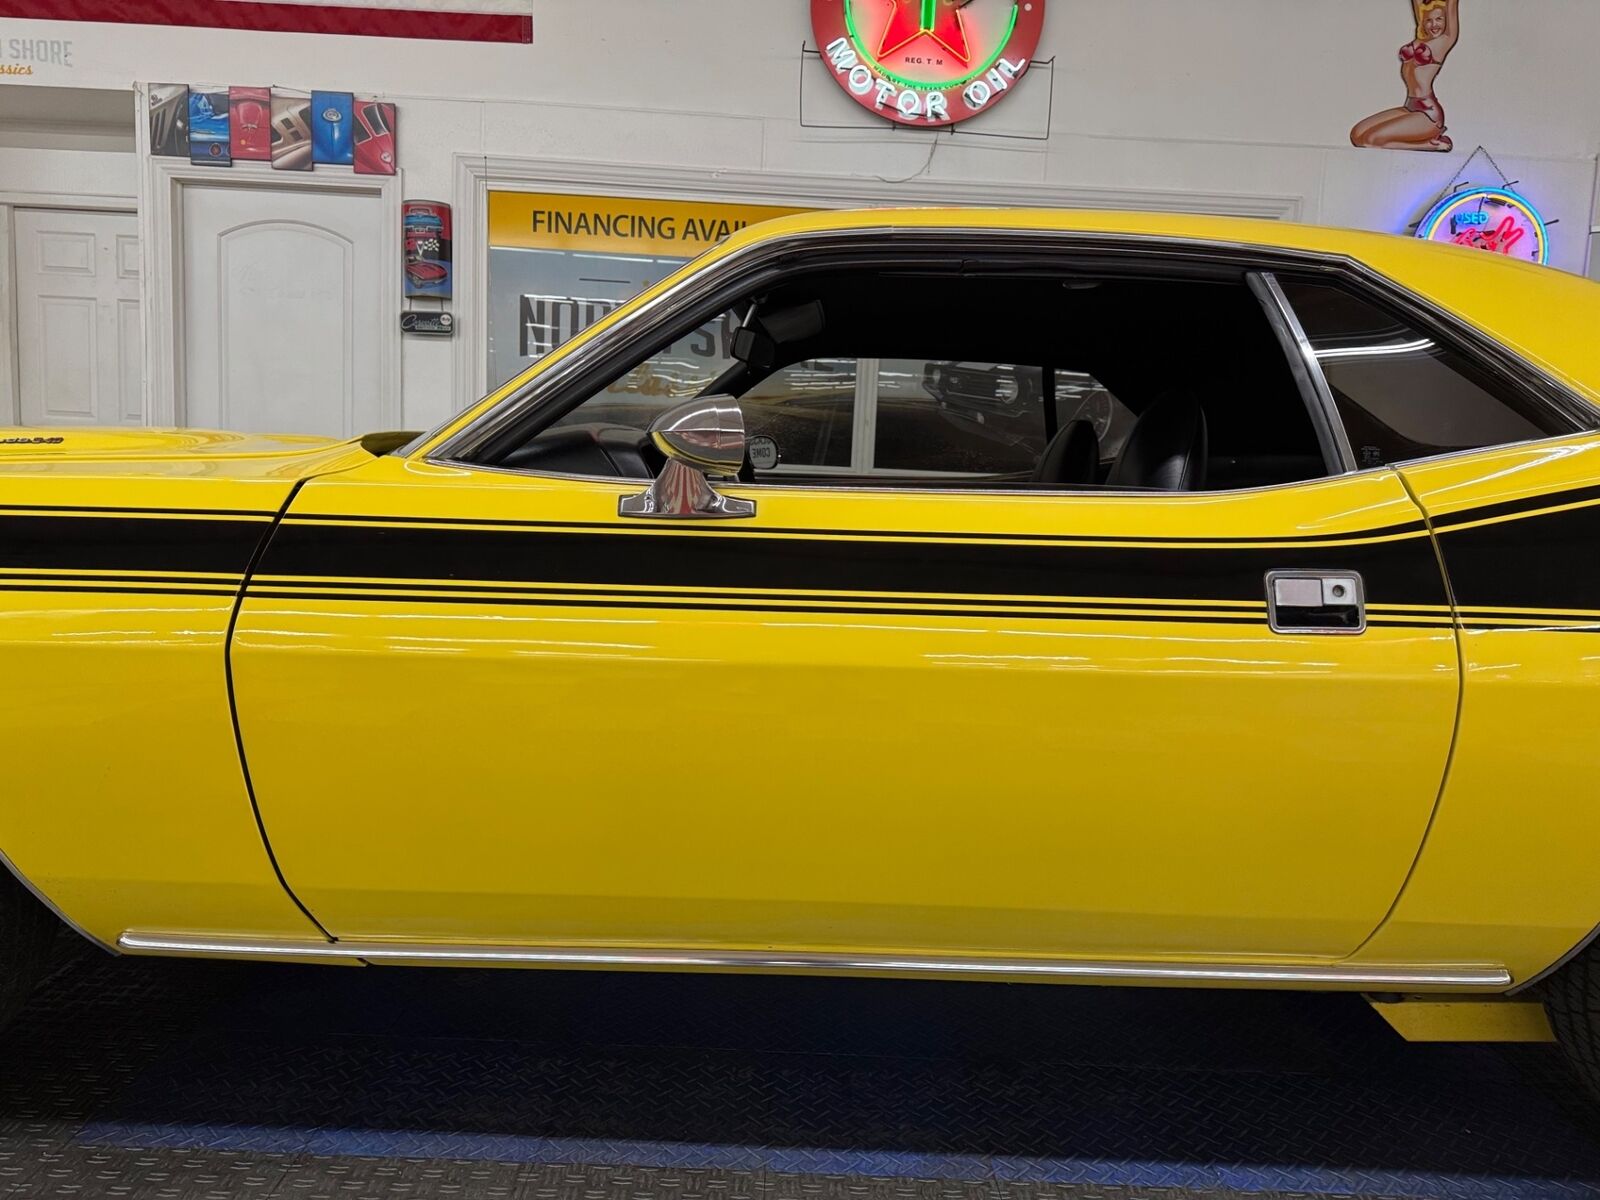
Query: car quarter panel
(1510, 859)
(476, 706)
(124, 800)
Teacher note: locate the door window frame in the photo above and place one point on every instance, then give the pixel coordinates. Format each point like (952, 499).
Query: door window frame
(634, 328)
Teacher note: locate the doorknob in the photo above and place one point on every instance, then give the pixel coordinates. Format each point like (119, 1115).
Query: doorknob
(1316, 602)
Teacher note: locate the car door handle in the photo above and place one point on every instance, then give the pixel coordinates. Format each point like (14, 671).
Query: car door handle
(1316, 602)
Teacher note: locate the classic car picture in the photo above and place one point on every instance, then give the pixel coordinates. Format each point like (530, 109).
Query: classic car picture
(1251, 638)
(426, 232)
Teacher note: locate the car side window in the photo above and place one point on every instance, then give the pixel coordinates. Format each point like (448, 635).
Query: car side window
(1082, 397)
(836, 390)
(1400, 394)
(964, 418)
(678, 371)
(803, 415)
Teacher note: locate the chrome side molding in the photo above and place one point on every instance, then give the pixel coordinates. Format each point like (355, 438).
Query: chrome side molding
(1478, 975)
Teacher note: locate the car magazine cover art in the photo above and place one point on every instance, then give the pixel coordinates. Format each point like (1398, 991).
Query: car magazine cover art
(427, 238)
(169, 120)
(375, 138)
(332, 128)
(291, 132)
(250, 123)
(208, 129)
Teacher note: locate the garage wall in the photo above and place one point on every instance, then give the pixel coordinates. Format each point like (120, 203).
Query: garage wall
(1233, 98)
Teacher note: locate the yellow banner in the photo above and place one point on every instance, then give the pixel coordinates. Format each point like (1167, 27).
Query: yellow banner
(613, 225)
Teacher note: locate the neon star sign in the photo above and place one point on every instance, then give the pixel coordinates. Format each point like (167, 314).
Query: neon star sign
(927, 62)
(936, 19)
(1498, 220)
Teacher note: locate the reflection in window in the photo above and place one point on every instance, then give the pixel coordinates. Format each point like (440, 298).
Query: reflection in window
(808, 410)
(1082, 397)
(676, 373)
(962, 417)
(1400, 394)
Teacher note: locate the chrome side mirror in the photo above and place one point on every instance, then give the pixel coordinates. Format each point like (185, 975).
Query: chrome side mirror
(700, 435)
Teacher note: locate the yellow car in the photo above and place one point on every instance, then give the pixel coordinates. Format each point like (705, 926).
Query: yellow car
(1080, 597)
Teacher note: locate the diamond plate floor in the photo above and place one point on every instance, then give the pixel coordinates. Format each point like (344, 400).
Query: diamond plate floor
(139, 1078)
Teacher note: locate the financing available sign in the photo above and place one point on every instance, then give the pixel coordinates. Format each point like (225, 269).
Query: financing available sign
(927, 62)
(558, 263)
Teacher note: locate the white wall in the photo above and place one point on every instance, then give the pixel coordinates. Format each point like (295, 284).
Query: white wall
(1239, 97)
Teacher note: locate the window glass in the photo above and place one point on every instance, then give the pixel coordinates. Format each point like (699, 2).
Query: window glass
(965, 417)
(676, 373)
(807, 413)
(977, 413)
(1401, 394)
(1082, 397)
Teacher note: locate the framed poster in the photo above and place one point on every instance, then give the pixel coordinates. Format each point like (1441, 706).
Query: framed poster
(208, 129)
(291, 132)
(333, 128)
(426, 232)
(375, 138)
(250, 123)
(558, 263)
(169, 119)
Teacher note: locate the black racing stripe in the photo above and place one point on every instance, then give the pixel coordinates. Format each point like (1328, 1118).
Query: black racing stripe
(420, 587)
(1525, 506)
(1397, 623)
(1551, 618)
(114, 509)
(1409, 527)
(175, 579)
(1474, 628)
(56, 590)
(1540, 563)
(928, 610)
(136, 543)
(1403, 572)
(1062, 613)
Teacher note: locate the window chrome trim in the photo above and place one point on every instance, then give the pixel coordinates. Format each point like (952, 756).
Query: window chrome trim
(1109, 251)
(1469, 975)
(1306, 369)
(50, 904)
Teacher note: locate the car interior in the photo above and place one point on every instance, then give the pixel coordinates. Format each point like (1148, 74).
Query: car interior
(1193, 361)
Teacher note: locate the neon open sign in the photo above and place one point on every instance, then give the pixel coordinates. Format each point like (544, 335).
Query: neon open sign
(1494, 219)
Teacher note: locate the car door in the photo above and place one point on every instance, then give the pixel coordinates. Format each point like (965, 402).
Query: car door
(480, 705)
(1511, 494)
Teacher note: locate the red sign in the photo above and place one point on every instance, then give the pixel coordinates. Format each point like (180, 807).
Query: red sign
(927, 62)
(440, 20)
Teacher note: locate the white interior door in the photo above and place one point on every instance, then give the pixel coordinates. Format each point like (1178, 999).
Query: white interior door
(283, 309)
(78, 333)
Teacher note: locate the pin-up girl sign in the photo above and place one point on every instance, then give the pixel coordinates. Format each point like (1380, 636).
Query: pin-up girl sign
(1418, 124)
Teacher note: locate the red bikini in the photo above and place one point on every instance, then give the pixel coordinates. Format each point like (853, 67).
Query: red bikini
(1417, 52)
(1420, 54)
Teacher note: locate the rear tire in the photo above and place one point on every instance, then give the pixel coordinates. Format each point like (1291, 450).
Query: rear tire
(27, 930)
(1572, 1001)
